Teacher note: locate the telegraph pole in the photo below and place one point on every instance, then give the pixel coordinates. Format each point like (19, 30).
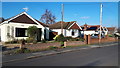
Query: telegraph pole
(100, 21)
(62, 18)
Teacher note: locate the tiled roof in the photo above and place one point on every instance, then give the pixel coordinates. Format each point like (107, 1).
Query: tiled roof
(90, 27)
(111, 28)
(42, 23)
(24, 19)
(75, 26)
(66, 25)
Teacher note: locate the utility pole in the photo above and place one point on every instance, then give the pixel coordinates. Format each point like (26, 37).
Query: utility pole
(100, 21)
(62, 18)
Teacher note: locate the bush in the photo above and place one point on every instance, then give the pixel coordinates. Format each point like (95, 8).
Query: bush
(8, 42)
(62, 43)
(13, 41)
(35, 41)
(60, 38)
(53, 47)
(43, 41)
(23, 50)
(30, 40)
(68, 38)
(110, 35)
(81, 39)
(32, 31)
(74, 39)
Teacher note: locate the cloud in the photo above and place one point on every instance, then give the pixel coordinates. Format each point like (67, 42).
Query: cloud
(85, 17)
(75, 15)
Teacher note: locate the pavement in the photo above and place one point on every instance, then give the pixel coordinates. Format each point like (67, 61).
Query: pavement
(25, 56)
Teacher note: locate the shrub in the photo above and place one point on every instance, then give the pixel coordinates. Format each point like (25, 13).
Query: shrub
(19, 51)
(110, 35)
(13, 41)
(30, 40)
(60, 38)
(53, 47)
(8, 42)
(81, 39)
(35, 41)
(32, 31)
(62, 43)
(27, 51)
(23, 50)
(68, 38)
(43, 41)
(73, 39)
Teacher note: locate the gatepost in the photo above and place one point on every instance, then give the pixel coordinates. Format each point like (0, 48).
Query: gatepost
(85, 38)
(89, 39)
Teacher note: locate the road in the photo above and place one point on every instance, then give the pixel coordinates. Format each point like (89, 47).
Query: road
(106, 56)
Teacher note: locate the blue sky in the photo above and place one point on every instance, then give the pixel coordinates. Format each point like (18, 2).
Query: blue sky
(82, 12)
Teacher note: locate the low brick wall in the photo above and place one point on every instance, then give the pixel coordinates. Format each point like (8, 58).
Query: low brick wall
(41, 45)
(74, 43)
(103, 40)
(12, 45)
(47, 45)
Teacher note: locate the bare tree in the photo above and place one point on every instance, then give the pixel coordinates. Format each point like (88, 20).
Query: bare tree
(47, 17)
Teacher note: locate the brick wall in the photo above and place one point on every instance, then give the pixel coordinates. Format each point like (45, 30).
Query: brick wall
(42, 45)
(74, 43)
(103, 40)
(57, 44)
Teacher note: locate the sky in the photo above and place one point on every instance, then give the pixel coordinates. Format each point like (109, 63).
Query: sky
(82, 12)
(60, 0)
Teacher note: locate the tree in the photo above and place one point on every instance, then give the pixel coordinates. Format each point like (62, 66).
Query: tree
(32, 32)
(47, 17)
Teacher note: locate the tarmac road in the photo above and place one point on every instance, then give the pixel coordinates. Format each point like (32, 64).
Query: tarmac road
(105, 56)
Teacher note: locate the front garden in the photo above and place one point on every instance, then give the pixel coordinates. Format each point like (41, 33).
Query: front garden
(59, 42)
(32, 45)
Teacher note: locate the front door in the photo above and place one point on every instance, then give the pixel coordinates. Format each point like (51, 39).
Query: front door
(39, 35)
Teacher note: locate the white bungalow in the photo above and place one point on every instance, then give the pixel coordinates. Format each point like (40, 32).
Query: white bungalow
(93, 30)
(16, 28)
(70, 29)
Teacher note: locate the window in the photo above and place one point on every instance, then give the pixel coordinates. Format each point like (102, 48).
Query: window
(8, 30)
(73, 33)
(12, 31)
(21, 32)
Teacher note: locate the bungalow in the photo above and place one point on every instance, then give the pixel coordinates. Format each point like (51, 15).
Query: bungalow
(93, 30)
(112, 30)
(69, 29)
(16, 28)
